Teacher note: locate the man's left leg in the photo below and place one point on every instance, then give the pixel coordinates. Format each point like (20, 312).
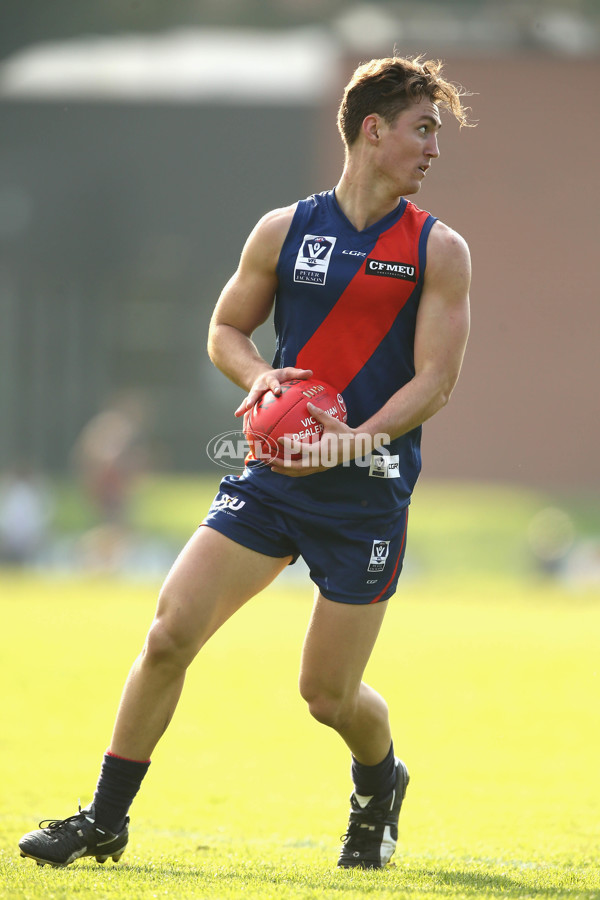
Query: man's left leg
(337, 648)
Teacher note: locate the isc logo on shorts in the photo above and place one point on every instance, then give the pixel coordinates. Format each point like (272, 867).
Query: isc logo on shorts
(379, 553)
(227, 503)
(313, 258)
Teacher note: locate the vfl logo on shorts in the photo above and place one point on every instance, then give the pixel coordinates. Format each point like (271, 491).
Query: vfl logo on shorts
(379, 553)
(313, 258)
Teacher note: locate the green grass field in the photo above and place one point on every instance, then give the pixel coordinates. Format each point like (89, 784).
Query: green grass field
(492, 674)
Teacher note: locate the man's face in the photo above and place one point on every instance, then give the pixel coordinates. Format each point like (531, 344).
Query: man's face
(408, 146)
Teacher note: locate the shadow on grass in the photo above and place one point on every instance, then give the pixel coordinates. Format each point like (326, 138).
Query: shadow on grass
(533, 881)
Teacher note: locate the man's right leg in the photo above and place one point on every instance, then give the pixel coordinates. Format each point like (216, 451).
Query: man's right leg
(211, 579)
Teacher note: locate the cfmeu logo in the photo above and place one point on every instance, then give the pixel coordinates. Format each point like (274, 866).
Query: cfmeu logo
(230, 450)
(390, 269)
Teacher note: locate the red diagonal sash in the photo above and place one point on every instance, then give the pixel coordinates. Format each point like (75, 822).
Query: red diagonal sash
(367, 309)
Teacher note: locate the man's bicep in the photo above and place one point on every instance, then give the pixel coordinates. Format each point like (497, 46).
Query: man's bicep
(444, 316)
(247, 298)
(246, 301)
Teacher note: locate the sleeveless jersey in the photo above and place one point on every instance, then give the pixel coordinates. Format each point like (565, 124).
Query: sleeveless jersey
(346, 307)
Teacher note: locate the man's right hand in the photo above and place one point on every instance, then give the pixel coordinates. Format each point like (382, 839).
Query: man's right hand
(270, 380)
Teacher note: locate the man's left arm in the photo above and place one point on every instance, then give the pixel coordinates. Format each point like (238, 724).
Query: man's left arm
(441, 337)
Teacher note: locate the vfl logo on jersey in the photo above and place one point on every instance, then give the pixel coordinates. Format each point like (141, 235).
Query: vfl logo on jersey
(384, 466)
(391, 269)
(379, 553)
(313, 258)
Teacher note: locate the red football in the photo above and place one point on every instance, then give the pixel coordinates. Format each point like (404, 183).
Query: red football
(285, 415)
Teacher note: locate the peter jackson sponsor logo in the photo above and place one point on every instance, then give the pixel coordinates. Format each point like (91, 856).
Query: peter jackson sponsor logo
(389, 269)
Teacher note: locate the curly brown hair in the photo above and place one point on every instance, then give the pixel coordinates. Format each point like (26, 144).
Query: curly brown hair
(388, 86)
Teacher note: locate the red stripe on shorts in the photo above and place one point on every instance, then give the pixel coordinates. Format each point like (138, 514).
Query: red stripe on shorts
(382, 592)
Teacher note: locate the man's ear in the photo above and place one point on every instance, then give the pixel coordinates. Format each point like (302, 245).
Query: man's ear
(371, 128)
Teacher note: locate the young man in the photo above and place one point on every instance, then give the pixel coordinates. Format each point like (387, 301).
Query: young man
(371, 294)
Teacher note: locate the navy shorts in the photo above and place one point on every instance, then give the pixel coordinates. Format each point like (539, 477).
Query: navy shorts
(350, 561)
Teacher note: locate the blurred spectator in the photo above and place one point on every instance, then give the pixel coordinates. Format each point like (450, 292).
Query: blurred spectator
(560, 552)
(110, 454)
(108, 458)
(25, 515)
(551, 536)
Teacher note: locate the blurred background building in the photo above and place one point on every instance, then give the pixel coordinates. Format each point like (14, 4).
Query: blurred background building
(140, 142)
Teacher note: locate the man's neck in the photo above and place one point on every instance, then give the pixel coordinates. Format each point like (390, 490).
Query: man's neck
(363, 201)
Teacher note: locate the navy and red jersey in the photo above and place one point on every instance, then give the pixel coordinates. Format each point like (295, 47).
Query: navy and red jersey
(346, 307)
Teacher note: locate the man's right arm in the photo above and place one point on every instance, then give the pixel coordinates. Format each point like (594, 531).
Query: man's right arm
(245, 303)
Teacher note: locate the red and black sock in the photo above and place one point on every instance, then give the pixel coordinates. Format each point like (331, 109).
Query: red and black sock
(119, 782)
(375, 781)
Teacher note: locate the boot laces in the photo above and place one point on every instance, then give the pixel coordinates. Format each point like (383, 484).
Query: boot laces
(360, 827)
(58, 823)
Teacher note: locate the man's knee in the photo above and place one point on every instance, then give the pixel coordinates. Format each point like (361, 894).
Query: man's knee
(162, 647)
(326, 706)
(170, 641)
